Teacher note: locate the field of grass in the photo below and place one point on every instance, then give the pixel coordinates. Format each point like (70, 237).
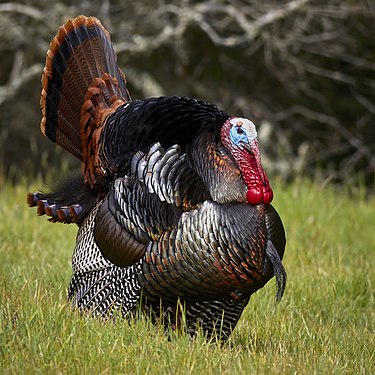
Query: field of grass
(325, 323)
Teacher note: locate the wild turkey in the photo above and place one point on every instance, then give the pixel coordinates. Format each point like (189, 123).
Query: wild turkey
(173, 205)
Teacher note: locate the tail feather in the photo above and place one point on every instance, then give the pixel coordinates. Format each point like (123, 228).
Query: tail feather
(56, 212)
(68, 200)
(81, 85)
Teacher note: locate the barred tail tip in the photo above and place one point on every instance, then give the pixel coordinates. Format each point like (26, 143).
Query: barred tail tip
(57, 212)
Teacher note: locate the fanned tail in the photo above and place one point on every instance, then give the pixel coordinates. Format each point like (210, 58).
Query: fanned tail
(81, 85)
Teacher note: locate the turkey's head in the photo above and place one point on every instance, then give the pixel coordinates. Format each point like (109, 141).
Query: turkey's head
(239, 137)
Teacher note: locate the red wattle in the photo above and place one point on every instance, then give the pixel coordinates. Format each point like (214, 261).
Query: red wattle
(267, 196)
(254, 195)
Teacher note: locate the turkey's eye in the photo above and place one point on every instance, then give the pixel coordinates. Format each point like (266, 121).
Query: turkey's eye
(239, 130)
(220, 151)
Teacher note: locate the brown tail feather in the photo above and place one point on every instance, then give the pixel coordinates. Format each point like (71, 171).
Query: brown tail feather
(81, 85)
(101, 99)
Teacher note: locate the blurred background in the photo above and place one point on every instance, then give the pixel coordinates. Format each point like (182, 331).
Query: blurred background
(302, 71)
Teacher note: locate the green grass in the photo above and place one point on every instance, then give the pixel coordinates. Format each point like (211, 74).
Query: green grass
(325, 324)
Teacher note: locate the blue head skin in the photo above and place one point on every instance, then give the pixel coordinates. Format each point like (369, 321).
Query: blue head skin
(243, 132)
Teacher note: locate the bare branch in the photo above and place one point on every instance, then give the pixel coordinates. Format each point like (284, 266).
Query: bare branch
(331, 121)
(23, 9)
(9, 90)
(354, 60)
(365, 102)
(17, 65)
(275, 15)
(142, 44)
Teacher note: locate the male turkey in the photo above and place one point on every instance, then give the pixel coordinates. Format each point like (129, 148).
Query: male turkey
(173, 205)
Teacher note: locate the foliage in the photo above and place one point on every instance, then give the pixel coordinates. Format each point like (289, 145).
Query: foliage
(303, 70)
(323, 325)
